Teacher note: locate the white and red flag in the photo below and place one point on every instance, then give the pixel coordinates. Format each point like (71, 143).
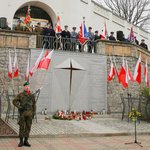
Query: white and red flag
(112, 71)
(58, 26)
(15, 66)
(105, 33)
(122, 75)
(146, 74)
(45, 62)
(116, 70)
(34, 68)
(129, 74)
(27, 69)
(10, 67)
(131, 36)
(137, 71)
(27, 19)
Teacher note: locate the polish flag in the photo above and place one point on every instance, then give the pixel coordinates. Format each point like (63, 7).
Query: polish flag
(116, 70)
(27, 70)
(112, 71)
(15, 66)
(58, 26)
(129, 74)
(137, 72)
(131, 35)
(146, 74)
(34, 68)
(10, 67)
(45, 62)
(105, 33)
(27, 18)
(83, 34)
(122, 75)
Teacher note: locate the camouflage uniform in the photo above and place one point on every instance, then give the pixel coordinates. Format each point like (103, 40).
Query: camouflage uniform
(26, 106)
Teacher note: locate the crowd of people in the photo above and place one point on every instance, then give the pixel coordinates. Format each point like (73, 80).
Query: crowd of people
(69, 39)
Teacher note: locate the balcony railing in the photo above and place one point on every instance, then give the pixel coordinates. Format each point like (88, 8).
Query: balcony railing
(66, 44)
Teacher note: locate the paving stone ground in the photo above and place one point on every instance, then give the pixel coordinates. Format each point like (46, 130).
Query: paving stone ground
(79, 143)
(100, 133)
(97, 126)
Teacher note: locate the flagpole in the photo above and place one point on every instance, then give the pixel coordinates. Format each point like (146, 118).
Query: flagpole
(18, 71)
(12, 80)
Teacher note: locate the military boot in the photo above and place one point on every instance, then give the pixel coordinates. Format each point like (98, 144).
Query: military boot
(26, 143)
(21, 142)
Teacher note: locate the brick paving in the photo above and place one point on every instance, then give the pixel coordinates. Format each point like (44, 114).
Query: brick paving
(79, 143)
(5, 129)
(82, 135)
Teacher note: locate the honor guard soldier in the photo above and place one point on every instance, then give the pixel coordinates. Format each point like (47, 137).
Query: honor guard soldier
(25, 102)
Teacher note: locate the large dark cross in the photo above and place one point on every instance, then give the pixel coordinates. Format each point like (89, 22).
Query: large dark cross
(71, 68)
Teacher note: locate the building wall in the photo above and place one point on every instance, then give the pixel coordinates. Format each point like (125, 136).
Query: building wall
(71, 13)
(89, 86)
(90, 89)
(114, 88)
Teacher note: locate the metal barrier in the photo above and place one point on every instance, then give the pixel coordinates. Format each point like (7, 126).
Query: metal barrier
(66, 44)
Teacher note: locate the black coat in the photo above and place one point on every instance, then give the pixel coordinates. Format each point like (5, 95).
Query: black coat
(65, 34)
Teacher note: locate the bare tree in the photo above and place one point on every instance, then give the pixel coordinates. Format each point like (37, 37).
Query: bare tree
(136, 12)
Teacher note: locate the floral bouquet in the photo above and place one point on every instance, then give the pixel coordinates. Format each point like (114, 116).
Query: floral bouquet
(134, 114)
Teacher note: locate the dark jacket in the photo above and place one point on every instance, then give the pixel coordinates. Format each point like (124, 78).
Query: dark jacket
(144, 45)
(25, 103)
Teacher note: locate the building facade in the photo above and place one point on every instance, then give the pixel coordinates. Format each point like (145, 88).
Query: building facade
(71, 13)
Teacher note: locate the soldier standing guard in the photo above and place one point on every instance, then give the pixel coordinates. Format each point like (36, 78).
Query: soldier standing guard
(25, 102)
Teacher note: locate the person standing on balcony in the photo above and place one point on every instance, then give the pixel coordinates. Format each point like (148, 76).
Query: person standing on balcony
(25, 102)
(136, 41)
(49, 38)
(111, 37)
(74, 38)
(96, 39)
(66, 38)
(143, 44)
(38, 29)
(91, 40)
(19, 26)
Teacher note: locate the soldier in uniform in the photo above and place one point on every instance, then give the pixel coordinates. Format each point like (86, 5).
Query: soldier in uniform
(39, 29)
(19, 26)
(25, 102)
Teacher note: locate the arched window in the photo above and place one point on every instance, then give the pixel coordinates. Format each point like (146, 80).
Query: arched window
(37, 14)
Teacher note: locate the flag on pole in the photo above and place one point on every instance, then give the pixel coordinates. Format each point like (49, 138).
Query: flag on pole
(116, 70)
(129, 74)
(146, 74)
(10, 67)
(83, 34)
(137, 72)
(131, 35)
(105, 33)
(27, 69)
(45, 62)
(112, 71)
(16, 73)
(122, 75)
(27, 19)
(58, 26)
(34, 68)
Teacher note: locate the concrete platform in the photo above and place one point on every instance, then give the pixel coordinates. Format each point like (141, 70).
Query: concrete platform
(102, 125)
